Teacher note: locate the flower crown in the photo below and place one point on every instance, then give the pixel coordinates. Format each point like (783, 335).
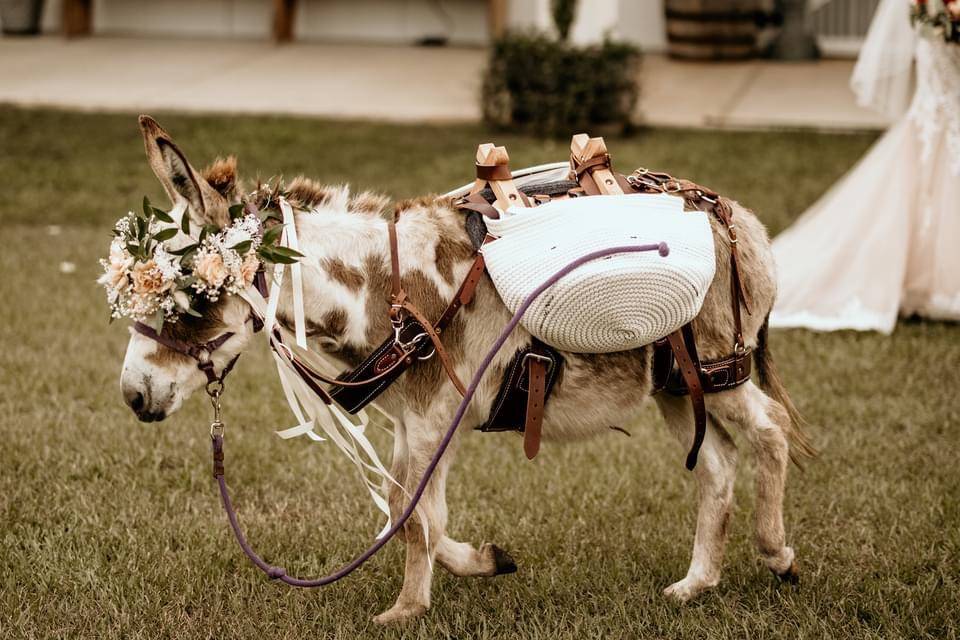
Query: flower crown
(153, 283)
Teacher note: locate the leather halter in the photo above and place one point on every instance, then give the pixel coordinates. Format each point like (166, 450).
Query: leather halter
(201, 352)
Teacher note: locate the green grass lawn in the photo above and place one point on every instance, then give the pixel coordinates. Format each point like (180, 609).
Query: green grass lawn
(112, 528)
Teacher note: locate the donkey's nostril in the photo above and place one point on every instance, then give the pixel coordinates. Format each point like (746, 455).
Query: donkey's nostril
(135, 401)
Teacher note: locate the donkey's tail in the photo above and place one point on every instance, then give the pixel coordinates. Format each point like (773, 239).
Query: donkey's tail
(800, 445)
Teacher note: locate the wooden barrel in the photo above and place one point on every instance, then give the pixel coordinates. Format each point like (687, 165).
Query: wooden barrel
(712, 29)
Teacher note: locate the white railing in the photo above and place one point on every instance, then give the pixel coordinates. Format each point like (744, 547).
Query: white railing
(841, 25)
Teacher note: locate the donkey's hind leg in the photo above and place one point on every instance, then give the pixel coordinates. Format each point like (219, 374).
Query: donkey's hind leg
(464, 560)
(715, 473)
(765, 423)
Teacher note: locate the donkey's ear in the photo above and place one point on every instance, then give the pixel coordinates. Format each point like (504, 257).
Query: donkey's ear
(179, 179)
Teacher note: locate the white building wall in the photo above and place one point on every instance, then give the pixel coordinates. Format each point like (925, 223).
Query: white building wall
(388, 21)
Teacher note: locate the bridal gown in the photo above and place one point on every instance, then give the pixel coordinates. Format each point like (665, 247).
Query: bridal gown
(885, 240)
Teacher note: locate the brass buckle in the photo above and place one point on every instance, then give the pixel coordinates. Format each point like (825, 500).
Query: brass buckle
(523, 364)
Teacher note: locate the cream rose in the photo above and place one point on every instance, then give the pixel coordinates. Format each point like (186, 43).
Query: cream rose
(115, 269)
(211, 270)
(249, 268)
(147, 278)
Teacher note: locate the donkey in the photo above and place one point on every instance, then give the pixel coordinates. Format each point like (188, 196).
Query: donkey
(346, 286)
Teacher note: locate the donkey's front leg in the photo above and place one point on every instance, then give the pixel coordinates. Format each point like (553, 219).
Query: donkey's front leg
(422, 538)
(715, 473)
(459, 558)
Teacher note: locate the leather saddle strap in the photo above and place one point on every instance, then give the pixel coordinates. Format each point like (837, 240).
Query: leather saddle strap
(537, 389)
(488, 172)
(476, 202)
(397, 295)
(690, 370)
(737, 292)
(584, 172)
(721, 209)
(464, 294)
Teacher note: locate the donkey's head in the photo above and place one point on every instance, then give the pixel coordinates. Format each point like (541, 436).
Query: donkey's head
(156, 378)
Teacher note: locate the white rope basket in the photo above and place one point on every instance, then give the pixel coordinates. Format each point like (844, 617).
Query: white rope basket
(613, 304)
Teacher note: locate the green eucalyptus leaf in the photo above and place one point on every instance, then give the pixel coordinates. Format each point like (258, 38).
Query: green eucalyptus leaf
(193, 313)
(182, 251)
(185, 223)
(287, 251)
(273, 256)
(183, 283)
(165, 234)
(242, 247)
(133, 248)
(147, 209)
(161, 215)
(271, 235)
(211, 229)
(236, 211)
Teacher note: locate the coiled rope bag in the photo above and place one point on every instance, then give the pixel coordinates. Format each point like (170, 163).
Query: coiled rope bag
(622, 302)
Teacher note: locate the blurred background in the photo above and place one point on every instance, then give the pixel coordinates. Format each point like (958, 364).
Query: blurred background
(708, 62)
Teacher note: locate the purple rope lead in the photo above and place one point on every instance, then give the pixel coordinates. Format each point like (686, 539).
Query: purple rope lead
(279, 573)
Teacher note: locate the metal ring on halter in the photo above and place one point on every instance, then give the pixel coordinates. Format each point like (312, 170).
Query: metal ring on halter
(215, 389)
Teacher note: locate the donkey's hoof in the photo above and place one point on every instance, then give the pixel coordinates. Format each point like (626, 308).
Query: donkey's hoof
(686, 590)
(502, 561)
(791, 575)
(400, 613)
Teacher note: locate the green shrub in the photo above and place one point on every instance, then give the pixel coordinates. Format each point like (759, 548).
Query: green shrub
(546, 86)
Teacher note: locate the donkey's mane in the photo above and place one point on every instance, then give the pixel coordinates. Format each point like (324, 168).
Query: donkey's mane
(306, 194)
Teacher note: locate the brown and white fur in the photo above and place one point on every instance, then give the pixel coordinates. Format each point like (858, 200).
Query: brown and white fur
(346, 292)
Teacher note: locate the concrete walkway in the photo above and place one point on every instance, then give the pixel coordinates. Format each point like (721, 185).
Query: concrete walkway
(403, 84)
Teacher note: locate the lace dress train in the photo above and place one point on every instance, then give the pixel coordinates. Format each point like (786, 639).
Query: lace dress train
(883, 240)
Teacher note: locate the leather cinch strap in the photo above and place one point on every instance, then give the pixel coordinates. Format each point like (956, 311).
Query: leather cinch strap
(536, 398)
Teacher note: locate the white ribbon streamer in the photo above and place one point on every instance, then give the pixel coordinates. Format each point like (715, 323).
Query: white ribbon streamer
(311, 412)
(290, 232)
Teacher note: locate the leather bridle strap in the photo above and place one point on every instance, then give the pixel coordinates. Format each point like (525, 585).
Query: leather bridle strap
(202, 353)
